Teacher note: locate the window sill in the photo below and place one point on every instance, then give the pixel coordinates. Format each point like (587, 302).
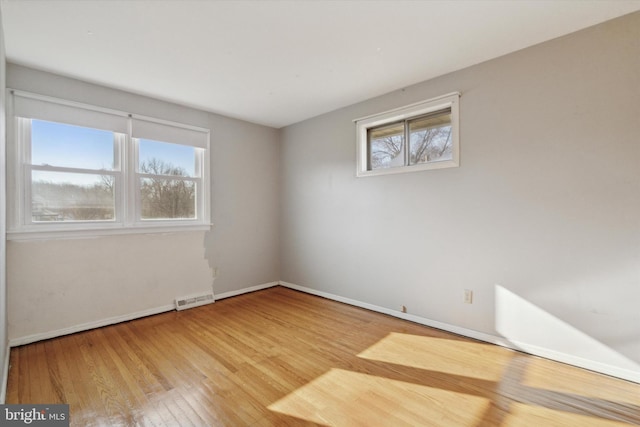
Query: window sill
(413, 168)
(87, 233)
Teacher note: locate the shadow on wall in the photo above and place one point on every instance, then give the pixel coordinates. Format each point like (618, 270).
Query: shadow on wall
(527, 325)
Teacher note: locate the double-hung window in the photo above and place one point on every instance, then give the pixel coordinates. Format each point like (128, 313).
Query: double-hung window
(170, 164)
(416, 137)
(88, 170)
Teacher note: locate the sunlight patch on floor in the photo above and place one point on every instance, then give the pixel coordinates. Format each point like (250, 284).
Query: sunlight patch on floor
(469, 359)
(345, 398)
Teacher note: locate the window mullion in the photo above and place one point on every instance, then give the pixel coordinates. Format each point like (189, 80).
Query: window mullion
(119, 150)
(132, 188)
(27, 202)
(200, 172)
(24, 159)
(407, 156)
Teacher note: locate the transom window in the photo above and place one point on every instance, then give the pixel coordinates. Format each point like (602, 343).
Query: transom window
(81, 168)
(417, 137)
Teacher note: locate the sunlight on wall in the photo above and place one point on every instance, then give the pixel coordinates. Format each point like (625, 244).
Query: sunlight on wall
(333, 397)
(457, 357)
(525, 325)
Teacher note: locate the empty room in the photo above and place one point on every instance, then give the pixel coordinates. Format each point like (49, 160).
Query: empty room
(320, 213)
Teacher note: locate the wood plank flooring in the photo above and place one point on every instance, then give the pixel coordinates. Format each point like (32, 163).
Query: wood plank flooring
(278, 357)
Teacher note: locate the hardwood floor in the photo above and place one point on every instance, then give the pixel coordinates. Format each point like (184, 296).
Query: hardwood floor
(278, 357)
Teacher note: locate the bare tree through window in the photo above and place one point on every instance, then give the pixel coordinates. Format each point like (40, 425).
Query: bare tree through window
(164, 195)
(431, 145)
(430, 140)
(56, 197)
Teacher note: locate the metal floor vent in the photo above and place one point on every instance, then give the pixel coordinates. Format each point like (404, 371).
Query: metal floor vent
(193, 301)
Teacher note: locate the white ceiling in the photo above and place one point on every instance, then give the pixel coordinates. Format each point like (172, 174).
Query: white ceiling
(279, 62)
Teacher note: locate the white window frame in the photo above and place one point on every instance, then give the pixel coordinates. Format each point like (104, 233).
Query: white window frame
(137, 205)
(444, 102)
(127, 195)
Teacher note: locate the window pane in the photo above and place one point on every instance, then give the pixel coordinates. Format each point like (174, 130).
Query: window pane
(58, 144)
(386, 146)
(163, 158)
(57, 196)
(163, 198)
(430, 138)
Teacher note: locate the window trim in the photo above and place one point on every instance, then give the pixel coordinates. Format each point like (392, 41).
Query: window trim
(126, 199)
(404, 114)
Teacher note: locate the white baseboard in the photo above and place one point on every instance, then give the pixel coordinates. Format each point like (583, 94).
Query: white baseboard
(603, 368)
(245, 290)
(90, 325)
(614, 371)
(5, 376)
(117, 319)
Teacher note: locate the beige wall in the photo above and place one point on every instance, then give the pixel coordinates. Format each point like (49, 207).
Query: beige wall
(59, 284)
(64, 283)
(540, 220)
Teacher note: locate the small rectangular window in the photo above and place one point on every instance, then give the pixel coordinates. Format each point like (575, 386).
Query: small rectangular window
(417, 137)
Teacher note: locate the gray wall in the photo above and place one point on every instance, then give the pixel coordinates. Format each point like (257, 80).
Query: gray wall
(3, 255)
(59, 284)
(541, 219)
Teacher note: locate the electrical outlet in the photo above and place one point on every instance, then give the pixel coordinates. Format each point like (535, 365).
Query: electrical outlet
(468, 296)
